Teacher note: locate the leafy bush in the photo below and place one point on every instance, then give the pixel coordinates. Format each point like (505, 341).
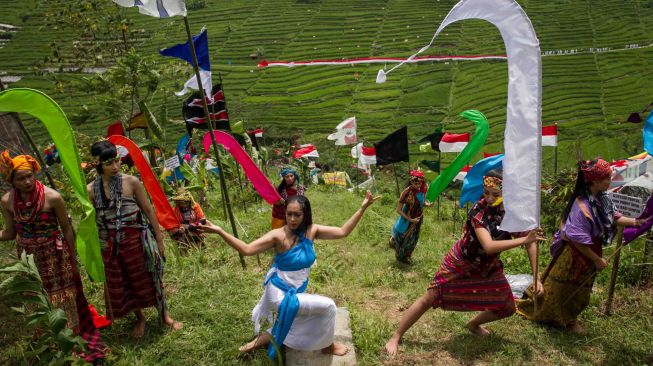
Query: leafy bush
(56, 343)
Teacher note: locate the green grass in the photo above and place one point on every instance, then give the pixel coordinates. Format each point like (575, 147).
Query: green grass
(213, 297)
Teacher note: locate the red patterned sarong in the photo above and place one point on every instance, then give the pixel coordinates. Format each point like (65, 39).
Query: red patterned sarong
(461, 286)
(129, 283)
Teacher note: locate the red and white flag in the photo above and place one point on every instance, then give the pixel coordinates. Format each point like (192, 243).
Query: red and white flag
(258, 132)
(462, 173)
(346, 132)
(550, 135)
(454, 142)
(306, 151)
(365, 155)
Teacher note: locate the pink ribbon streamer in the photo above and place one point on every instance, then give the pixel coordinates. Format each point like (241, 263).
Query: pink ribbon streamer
(260, 182)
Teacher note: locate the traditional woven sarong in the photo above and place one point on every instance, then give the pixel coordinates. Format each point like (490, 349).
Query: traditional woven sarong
(405, 234)
(461, 286)
(132, 262)
(60, 276)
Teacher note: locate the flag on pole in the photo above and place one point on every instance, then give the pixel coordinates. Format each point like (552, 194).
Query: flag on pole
(156, 8)
(434, 140)
(258, 132)
(393, 148)
(346, 132)
(193, 111)
(473, 181)
(453, 142)
(115, 129)
(182, 51)
(306, 151)
(462, 173)
(366, 155)
(550, 135)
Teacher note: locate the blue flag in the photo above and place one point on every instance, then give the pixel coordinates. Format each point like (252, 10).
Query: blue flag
(648, 134)
(182, 51)
(473, 183)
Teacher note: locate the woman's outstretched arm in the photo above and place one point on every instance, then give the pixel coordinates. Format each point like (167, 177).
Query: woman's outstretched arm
(333, 232)
(492, 246)
(257, 246)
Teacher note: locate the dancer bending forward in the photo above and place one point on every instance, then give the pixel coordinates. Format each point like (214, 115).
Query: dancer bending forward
(304, 321)
(471, 275)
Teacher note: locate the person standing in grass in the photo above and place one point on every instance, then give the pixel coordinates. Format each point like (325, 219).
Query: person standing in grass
(405, 232)
(35, 216)
(304, 321)
(588, 223)
(288, 187)
(471, 275)
(132, 248)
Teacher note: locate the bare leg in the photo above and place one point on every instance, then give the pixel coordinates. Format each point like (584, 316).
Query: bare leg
(337, 349)
(261, 340)
(414, 312)
(475, 325)
(173, 324)
(139, 328)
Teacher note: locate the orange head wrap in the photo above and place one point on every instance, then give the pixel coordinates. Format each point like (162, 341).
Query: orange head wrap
(9, 165)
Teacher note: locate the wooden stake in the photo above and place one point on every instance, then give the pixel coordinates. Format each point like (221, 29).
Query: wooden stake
(209, 122)
(615, 268)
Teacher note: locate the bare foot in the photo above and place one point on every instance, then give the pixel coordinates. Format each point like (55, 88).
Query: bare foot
(260, 341)
(478, 330)
(173, 324)
(139, 328)
(337, 349)
(392, 347)
(576, 328)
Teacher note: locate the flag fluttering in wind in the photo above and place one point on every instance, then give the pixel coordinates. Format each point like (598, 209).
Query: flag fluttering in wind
(366, 156)
(454, 142)
(473, 181)
(258, 132)
(306, 151)
(345, 132)
(393, 148)
(462, 173)
(115, 129)
(550, 135)
(193, 111)
(183, 52)
(431, 164)
(156, 8)
(434, 139)
(648, 134)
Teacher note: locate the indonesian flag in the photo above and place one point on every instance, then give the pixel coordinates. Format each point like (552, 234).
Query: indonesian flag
(463, 173)
(306, 151)
(365, 155)
(454, 142)
(550, 135)
(346, 132)
(258, 132)
(156, 8)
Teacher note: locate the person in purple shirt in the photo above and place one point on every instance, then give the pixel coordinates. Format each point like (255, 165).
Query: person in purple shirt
(588, 223)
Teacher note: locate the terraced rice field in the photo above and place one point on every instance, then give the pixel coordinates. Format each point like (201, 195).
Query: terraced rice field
(588, 93)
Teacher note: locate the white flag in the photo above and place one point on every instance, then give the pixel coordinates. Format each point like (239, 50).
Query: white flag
(346, 132)
(156, 8)
(207, 83)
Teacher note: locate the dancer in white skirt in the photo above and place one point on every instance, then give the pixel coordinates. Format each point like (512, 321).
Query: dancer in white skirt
(304, 321)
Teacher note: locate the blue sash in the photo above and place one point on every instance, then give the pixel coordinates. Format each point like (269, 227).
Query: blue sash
(298, 257)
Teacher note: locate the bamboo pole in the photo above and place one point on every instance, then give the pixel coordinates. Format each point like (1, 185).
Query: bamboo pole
(209, 122)
(615, 268)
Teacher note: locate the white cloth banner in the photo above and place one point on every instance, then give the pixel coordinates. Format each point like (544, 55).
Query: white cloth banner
(346, 132)
(207, 83)
(523, 134)
(156, 8)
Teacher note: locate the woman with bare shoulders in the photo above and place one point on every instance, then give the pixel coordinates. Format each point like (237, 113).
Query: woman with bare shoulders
(132, 242)
(304, 321)
(35, 216)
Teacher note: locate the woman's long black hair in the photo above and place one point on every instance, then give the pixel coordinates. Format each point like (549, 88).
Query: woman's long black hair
(103, 151)
(305, 204)
(581, 189)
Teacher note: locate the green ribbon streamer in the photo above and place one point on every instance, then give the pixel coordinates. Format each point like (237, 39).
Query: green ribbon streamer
(447, 175)
(39, 105)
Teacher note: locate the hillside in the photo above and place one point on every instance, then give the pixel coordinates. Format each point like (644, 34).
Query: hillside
(588, 93)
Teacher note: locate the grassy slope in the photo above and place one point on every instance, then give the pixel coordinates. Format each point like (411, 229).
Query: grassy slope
(213, 296)
(587, 94)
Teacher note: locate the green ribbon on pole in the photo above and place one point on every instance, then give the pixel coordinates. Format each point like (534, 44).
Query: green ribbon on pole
(474, 146)
(41, 106)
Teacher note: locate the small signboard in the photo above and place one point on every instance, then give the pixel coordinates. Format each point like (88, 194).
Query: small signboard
(627, 205)
(172, 162)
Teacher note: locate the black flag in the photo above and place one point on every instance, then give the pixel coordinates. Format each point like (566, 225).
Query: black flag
(193, 111)
(434, 139)
(393, 148)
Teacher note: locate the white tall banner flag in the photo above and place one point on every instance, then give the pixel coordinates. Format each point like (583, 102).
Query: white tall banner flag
(346, 132)
(523, 134)
(207, 83)
(156, 8)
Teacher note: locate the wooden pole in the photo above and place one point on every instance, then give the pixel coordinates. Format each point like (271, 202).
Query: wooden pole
(439, 171)
(615, 268)
(555, 155)
(209, 123)
(394, 170)
(536, 275)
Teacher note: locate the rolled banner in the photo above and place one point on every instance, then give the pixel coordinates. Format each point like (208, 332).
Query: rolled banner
(164, 212)
(474, 146)
(46, 110)
(260, 182)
